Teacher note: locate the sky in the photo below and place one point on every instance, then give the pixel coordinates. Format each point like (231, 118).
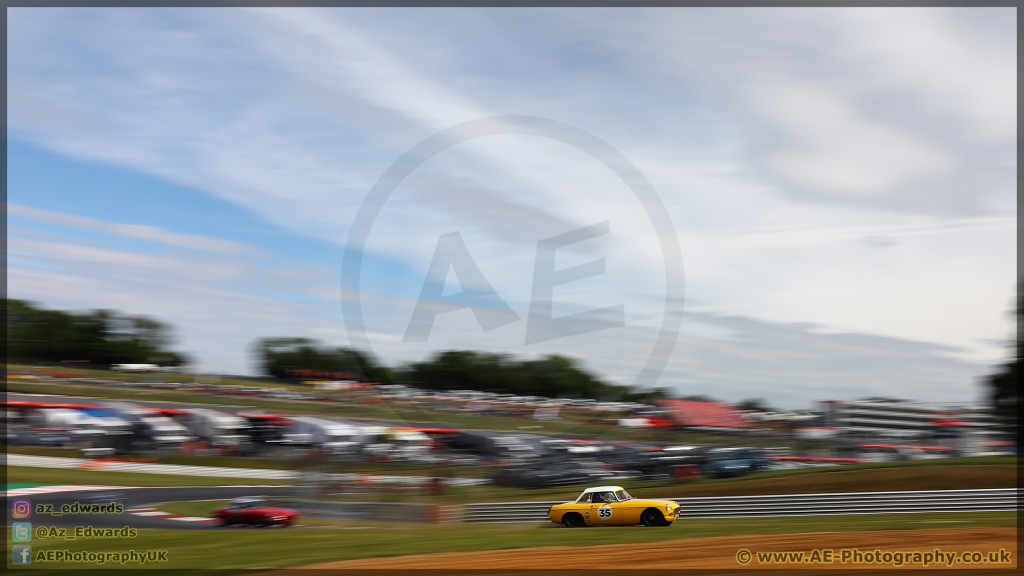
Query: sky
(782, 203)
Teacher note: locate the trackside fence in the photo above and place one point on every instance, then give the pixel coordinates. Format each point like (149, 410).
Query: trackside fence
(778, 505)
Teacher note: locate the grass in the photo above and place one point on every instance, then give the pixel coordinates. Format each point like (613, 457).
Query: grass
(164, 376)
(391, 469)
(33, 475)
(221, 461)
(242, 549)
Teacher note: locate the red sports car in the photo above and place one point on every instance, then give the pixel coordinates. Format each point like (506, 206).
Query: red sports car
(254, 512)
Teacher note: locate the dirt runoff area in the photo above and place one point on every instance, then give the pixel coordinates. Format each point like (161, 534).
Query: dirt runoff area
(970, 548)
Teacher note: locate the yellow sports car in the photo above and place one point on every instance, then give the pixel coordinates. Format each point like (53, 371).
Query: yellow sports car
(613, 506)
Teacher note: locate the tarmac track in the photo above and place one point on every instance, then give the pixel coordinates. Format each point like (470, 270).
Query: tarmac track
(714, 552)
(139, 497)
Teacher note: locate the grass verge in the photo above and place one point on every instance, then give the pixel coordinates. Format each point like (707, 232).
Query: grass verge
(33, 475)
(242, 549)
(292, 463)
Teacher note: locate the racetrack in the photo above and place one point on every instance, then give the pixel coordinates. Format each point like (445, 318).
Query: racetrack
(716, 552)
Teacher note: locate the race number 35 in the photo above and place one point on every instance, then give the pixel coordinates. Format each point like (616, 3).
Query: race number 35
(604, 513)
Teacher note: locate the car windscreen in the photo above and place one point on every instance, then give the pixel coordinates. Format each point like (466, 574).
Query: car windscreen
(622, 495)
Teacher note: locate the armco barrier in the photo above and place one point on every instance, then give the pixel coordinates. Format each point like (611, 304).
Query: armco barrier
(785, 505)
(376, 511)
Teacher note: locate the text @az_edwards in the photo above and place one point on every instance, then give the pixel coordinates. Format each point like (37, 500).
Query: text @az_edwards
(56, 532)
(851, 556)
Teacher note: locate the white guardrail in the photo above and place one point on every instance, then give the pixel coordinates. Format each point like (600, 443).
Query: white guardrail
(1004, 499)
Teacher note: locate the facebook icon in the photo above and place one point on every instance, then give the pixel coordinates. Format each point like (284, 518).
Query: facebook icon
(21, 555)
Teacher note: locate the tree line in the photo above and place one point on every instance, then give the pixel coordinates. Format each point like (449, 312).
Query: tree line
(297, 357)
(106, 337)
(1004, 385)
(97, 337)
(551, 376)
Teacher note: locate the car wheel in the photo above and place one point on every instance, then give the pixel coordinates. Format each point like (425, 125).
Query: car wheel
(572, 520)
(652, 517)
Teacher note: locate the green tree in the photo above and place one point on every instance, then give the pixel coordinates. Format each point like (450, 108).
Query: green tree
(551, 376)
(282, 357)
(753, 405)
(101, 337)
(1004, 385)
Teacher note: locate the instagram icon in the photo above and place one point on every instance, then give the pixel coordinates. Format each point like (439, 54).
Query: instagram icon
(21, 509)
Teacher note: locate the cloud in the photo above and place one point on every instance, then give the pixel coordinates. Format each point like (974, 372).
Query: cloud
(220, 306)
(894, 109)
(824, 146)
(795, 365)
(135, 231)
(788, 145)
(871, 234)
(730, 357)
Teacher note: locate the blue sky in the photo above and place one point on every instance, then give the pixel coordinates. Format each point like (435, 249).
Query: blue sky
(841, 182)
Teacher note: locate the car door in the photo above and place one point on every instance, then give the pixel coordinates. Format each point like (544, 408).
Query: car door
(246, 514)
(607, 513)
(231, 513)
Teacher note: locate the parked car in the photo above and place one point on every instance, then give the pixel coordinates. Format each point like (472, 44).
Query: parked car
(888, 453)
(331, 436)
(726, 462)
(42, 437)
(561, 474)
(216, 427)
(254, 512)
